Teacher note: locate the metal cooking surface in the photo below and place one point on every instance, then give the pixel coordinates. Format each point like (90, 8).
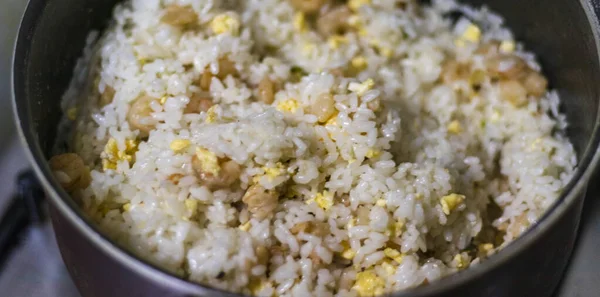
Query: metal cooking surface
(35, 269)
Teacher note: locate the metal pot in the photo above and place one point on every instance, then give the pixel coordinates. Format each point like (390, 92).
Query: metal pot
(563, 33)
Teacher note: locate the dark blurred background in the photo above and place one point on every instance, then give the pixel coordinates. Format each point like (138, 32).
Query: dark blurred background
(33, 267)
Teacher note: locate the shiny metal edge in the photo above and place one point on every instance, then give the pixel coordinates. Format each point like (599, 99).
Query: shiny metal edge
(61, 200)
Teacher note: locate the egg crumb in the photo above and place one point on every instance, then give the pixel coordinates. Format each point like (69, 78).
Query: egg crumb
(333, 120)
(388, 267)
(361, 88)
(257, 285)
(454, 127)
(289, 105)
(163, 100)
(450, 202)
(351, 223)
(507, 46)
(381, 202)
(179, 145)
(336, 41)
(373, 153)
(355, 21)
(357, 4)
(273, 172)
(398, 228)
(108, 165)
(245, 227)
(112, 155)
(127, 207)
(460, 261)
(368, 283)
(386, 51)
(485, 248)
(72, 113)
(472, 33)
(324, 200)
(225, 23)
(191, 205)
(393, 254)
(348, 253)
(300, 22)
(211, 114)
(209, 161)
(359, 63)
(477, 78)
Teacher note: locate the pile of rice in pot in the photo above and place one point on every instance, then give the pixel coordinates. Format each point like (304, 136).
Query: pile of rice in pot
(311, 147)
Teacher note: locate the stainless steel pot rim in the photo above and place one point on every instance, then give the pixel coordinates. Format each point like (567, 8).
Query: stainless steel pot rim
(61, 200)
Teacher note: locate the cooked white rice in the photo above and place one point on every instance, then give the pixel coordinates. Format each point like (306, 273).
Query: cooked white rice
(361, 196)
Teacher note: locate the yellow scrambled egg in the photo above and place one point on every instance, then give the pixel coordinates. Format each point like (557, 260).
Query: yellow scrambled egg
(393, 254)
(355, 21)
(359, 63)
(368, 283)
(163, 100)
(211, 114)
(381, 202)
(507, 46)
(485, 248)
(395, 229)
(454, 127)
(477, 77)
(356, 4)
(450, 202)
(179, 145)
(386, 51)
(289, 105)
(324, 200)
(245, 227)
(351, 223)
(335, 41)
(191, 204)
(388, 267)
(300, 22)
(361, 88)
(112, 155)
(273, 172)
(225, 23)
(256, 285)
(127, 207)
(398, 228)
(333, 120)
(460, 261)
(471, 34)
(373, 153)
(209, 161)
(348, 253)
